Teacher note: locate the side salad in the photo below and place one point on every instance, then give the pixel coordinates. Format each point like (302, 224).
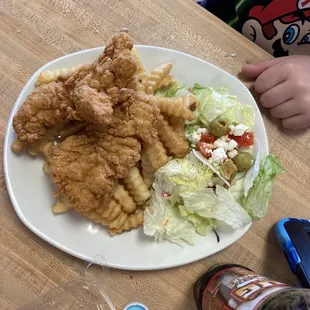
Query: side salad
(224, 178)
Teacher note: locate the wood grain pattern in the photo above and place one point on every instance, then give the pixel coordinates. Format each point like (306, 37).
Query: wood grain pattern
(34, 32)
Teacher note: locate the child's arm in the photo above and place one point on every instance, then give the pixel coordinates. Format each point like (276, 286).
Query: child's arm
(284, 85)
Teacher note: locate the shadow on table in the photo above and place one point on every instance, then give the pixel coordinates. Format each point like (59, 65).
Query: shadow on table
(276, 266)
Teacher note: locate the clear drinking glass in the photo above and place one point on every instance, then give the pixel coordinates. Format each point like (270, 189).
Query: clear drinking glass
(85, 293)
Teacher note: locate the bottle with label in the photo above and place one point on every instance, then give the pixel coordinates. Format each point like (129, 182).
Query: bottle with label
(234, 287)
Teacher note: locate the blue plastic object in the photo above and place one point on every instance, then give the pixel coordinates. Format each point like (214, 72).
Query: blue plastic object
(135, 306)
(293, 236)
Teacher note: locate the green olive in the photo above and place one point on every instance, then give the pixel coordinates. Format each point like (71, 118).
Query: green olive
(218, 128)
(243, 161)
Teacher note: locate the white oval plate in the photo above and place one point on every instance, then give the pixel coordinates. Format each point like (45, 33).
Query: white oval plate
(31, 191)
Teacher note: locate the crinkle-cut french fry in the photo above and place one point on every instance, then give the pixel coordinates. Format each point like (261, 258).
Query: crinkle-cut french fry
(110, 215)
(167, 81)
(112, 211)
(132, 221)
(178, 106)
(148, 171)
(140, 69)
(136, 186)
(124, 199)
(61, 206)
(50, 76)
(46, 168)
(177, 123)
(154, 80)
(156, 153)
(176, 144)
(138, 80)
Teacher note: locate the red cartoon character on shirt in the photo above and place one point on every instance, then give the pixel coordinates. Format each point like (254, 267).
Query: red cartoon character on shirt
(282, 27)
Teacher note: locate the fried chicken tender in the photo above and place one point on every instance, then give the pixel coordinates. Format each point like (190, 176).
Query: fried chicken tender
(83, 168)
(136, 117)
(121, 154)
(48, 105)
(96, 94)
(100, 110)
(85, 94)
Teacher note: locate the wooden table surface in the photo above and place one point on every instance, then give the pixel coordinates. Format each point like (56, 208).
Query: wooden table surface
(34, 32)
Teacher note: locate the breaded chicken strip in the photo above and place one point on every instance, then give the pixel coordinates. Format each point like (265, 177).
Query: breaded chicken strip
(49, 104)
(83, 168)
(86, 94)
(138, 116)
(96, 94)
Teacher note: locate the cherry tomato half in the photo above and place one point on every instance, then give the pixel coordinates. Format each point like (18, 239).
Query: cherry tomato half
(247, 139)
(207, 138)
(204, 149)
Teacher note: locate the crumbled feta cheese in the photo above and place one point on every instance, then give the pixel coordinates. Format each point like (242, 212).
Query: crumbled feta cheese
(238, 130)
(202, 131)
(249, 149)
(219, 143)
(219, 155)
(232, 154)
(232, 144)
(196, 135)
(225, 138)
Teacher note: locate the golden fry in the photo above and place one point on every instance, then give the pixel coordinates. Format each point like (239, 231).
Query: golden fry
(167, 81)
(156, 153)
(133, 221)
(50, 76)
(61, 206)
(137, 82)
(136, 186)
(124, 199)
(110, 215)
(176, 144)
(112, 211)
(140, 72)
(46, 168)
(178, 106)
(148, 171)
(154, 80)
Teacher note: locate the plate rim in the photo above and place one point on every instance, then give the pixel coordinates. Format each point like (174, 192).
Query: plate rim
(56, 244)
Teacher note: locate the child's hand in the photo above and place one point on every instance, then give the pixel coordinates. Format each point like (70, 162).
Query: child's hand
(284, 85)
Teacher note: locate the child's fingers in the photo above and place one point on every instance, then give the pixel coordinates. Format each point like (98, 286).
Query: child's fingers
(285, 110)
(296, 122)
(272, 77)
(255, 69)
(277, 95)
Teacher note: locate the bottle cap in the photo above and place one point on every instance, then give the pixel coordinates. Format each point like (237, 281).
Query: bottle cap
(135, 306)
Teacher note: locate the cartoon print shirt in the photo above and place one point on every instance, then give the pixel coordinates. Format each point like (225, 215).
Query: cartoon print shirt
(281, 27)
